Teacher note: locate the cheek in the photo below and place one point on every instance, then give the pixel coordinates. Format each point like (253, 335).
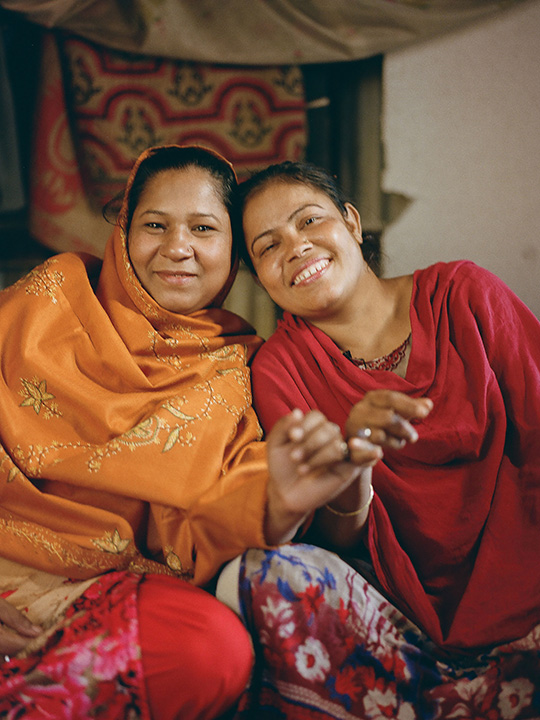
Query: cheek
(218, 258)
(139, 252)
(268, 273)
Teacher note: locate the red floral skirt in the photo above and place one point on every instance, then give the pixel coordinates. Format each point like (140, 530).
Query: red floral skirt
(90, 667)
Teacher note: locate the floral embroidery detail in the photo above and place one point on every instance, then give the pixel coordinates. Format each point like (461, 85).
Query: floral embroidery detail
(113, 543)
(7, 466)
(175, 564)
(43, 280)
(35, 395)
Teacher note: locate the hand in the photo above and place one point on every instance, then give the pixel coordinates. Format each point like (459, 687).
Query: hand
(16, 630)
(386, 416)
(308, 467)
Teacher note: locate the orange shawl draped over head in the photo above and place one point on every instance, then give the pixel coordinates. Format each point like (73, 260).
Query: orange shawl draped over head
(127, 430)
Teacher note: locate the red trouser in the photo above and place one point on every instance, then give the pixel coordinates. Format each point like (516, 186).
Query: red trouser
(196, 654)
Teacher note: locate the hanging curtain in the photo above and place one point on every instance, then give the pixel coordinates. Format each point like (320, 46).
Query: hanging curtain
(256, 32)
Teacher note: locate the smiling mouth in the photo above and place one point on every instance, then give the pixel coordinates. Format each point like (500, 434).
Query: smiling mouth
(170, 276)
(308, 272)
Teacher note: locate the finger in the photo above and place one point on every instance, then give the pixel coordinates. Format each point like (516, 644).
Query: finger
(322, 442)
(13, 618)
(395, 431)
(291, 423)
(11, 643)
(383, 426)
(325, 457)
(407, 407)
(363, 453)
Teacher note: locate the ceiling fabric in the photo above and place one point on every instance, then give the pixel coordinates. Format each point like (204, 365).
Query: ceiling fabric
(256, 32)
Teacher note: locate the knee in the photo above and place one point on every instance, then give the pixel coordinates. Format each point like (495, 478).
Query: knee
(192, 645)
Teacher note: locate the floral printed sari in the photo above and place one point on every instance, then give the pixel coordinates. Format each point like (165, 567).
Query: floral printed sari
(330, 645)
(90, 666)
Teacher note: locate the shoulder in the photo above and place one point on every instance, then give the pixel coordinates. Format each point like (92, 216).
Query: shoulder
(461, 275)
(50, 278)
(273, 352)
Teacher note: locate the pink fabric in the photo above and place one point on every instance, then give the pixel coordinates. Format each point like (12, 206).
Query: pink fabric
(90, 667)
(454, 529)
(133, 646)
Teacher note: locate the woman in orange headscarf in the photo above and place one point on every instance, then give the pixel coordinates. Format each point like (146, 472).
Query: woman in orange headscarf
(129, 463)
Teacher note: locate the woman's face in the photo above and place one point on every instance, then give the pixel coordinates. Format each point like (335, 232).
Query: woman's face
(180, 240)
(305, 253)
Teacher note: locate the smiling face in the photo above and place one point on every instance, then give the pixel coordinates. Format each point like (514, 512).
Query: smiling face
(180, 239)
(305, 252)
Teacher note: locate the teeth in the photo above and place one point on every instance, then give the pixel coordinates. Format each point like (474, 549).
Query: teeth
(311, 270)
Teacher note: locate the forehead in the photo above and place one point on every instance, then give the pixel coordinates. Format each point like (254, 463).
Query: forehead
(285, 186)
(181, 186)
(277, 198)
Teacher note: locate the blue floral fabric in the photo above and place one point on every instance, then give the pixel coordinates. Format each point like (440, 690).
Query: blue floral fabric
(329, 645)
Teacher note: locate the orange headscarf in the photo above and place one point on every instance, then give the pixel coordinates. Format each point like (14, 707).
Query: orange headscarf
(127, 430)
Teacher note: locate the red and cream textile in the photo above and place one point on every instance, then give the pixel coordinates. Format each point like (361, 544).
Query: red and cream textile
(120, 104)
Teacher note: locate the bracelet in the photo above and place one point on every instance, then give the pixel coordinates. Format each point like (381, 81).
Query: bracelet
(354, 512)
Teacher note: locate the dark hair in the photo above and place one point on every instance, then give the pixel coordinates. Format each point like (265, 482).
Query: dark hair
(173, 157)
(303, 173)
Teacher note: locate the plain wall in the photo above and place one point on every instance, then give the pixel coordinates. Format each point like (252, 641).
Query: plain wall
(461, 137)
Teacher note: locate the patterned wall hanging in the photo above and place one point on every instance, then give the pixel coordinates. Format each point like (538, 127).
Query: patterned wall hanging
(121, 103)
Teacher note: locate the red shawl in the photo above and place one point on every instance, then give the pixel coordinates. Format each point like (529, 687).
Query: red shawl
(454, 532)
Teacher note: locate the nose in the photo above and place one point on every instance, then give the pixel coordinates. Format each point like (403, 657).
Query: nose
(297, 246)
(176, 244)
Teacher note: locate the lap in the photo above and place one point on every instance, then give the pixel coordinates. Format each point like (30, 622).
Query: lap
(331, 644)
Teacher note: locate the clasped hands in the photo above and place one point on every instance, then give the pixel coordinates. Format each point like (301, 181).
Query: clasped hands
(311, 464)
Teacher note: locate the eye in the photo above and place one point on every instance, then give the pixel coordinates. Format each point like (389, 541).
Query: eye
(203, 228)
(267, 248)
(311, 220)
(154, 225)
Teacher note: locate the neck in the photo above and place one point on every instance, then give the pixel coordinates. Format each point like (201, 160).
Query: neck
(375, 321)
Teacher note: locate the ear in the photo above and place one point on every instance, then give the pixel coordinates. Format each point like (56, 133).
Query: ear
(353, 222)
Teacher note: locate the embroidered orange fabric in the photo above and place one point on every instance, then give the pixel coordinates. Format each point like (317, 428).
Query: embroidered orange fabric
(127, 432)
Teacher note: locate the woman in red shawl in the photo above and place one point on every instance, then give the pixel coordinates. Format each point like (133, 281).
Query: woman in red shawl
(438, 374)
(130, 467)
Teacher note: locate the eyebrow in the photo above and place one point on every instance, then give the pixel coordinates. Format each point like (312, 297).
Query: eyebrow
(291, 217)
(195, 214)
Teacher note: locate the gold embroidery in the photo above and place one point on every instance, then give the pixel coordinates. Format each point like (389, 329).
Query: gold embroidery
(10, 467)
(112, 543)
(180, 430)
(175, 564)
(71, 556)
(32, 460)
(35, 395)
(13, 474)
(44, 281)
